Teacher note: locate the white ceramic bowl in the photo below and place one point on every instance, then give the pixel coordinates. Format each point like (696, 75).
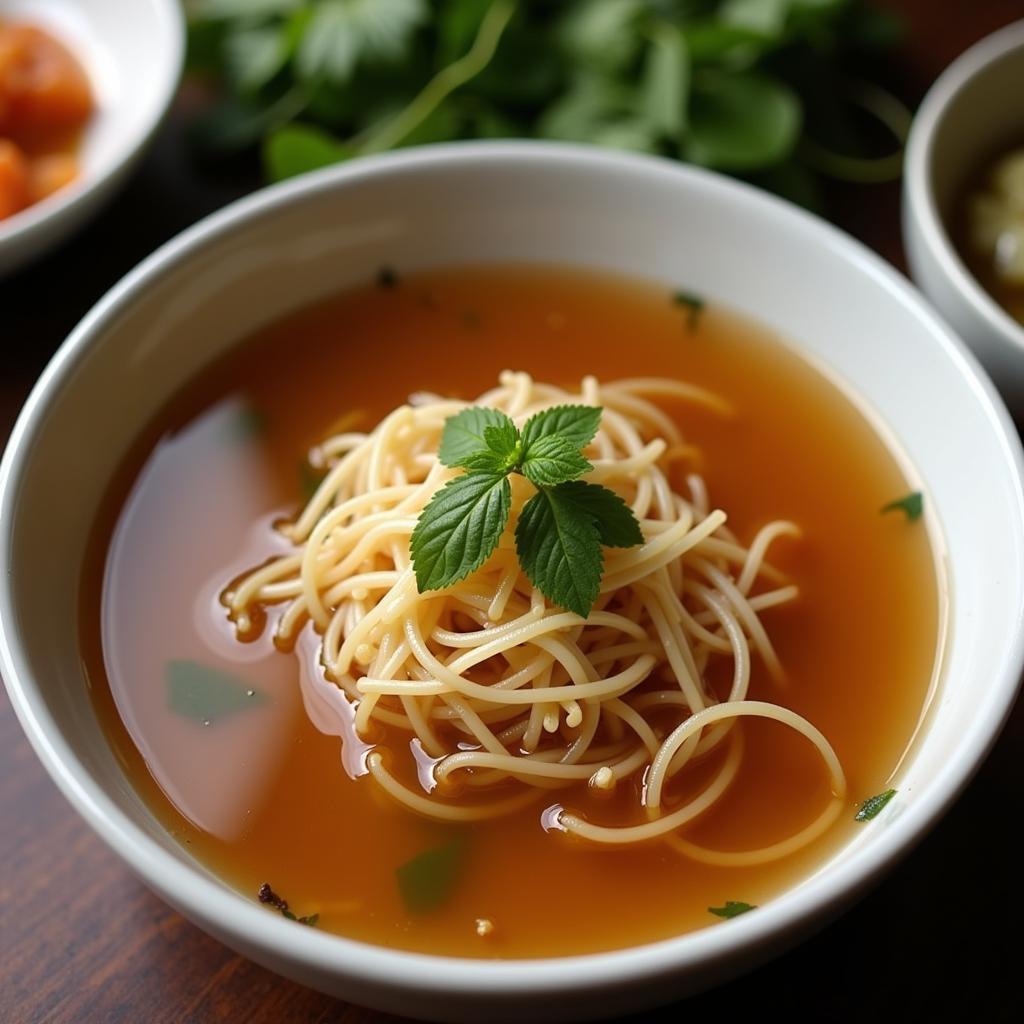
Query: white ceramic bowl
(975, 108)
(132, 51)
(542, 203)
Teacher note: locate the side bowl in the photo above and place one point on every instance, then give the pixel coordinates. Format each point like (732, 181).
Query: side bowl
(968, 115)
(509, 202)
(133, 54)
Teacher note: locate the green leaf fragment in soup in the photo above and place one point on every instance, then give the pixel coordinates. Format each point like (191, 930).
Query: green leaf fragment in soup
(426, 881)
(206, 694)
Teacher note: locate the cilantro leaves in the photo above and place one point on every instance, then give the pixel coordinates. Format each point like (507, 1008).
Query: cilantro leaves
(561, 529)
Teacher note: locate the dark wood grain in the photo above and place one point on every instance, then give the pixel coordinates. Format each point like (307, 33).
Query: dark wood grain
(81, 940)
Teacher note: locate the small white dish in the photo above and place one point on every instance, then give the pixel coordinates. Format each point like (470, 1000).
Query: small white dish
(133, 53)
(304, 239)
(975, 108)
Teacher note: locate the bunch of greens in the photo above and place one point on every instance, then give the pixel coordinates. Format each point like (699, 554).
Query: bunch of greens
(561, 528)
(765, 89)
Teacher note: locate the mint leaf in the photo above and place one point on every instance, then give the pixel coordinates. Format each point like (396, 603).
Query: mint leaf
(616, 525)
(912, 506)
(459, 528)
(559, 549)
(873, 805)
(503, 439)
(464, 434)
(206, 694)
(426, 881)
(551, 459)
(485, 461)
(576, 424)
(732, 908)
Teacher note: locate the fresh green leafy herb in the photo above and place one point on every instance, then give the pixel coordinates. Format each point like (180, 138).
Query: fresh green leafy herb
(460, 528)
(912, 506)
(207, 694)
(560, 550)
(561, 529)
(575, 423)
(873, 805)
(553, 459)
(693, 304)
(616, 525)
(746, 86)
(732, 908)
(426, 881)
(266, 894)
(463, 434)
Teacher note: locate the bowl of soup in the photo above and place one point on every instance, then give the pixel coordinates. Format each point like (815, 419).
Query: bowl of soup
(512, 578)
(83, 86)
(963, 203)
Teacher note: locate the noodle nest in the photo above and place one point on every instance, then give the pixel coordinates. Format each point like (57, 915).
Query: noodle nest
(494, 696)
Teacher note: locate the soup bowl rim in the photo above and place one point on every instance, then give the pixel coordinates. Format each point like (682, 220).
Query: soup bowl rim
(277, 941)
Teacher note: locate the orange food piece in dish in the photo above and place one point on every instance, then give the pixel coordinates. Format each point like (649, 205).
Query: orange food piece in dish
(45, 99)
(14, 179)
(42, 87)
(50, 172)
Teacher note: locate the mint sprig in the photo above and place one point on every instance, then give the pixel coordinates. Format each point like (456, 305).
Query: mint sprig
(561, 529)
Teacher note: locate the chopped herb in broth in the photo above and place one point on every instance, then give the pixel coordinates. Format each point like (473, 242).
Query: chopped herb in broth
(694, 305)
(426, 881)
(873, 805)
(732, 908)
(268, 796)
(911, 505)
(207, 695)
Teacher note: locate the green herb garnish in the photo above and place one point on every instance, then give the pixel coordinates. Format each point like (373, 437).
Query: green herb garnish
(694, 305)
(206, 694)
(561, 528)
(426, 881)
(873, 805)
(766, 89)
(911, 506)
(732, 908)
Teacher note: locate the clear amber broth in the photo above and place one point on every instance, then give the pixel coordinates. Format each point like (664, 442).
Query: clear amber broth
(261, 796)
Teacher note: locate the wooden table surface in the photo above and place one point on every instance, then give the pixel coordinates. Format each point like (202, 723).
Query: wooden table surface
(82, 940)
